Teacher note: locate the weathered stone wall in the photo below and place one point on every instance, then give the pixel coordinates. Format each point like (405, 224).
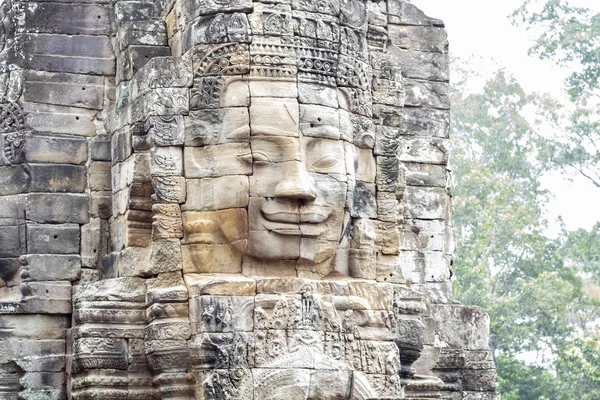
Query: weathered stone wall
(137, 256)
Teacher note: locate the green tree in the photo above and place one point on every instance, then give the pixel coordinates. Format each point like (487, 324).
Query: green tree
(530, 284)
(522, 381)
(543, 294)
(570, 37)
(579, 369)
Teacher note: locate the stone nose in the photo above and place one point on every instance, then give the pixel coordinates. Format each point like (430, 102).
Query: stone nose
(296, 183)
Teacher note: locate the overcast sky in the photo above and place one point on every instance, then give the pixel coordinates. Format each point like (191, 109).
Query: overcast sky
(482, 28)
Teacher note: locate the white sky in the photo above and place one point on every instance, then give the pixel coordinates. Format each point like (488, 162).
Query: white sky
(482, 28)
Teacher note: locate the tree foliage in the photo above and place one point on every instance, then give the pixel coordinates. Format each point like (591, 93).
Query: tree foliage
(542, 294)
(532, 286)
(570, 37)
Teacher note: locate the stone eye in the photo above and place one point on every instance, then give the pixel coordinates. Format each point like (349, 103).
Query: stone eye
(247, 158)
(260, 158)
(327, 161)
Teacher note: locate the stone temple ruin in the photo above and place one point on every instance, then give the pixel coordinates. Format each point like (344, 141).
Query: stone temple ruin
(229, 199)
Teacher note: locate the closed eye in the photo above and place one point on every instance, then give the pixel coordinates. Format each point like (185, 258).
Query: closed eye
(260, 158)
(327, 161)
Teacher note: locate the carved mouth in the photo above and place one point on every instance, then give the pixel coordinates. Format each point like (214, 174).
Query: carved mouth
(306, 222)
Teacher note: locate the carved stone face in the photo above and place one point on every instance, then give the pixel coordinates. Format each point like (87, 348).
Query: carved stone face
(271, 178)
(299, 184)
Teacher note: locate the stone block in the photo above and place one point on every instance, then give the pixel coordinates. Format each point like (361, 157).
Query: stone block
(121, 144)
(133, 262)
(426, 203)
(319, 121)
(437, 266)
(50, 385)
(161, 101)
(146, 33)
(166, 161)
(365, 201)
(45, 267)
(36, 355)
(211, 258)
(9, 268)
(422, 65)
(311, 93)
(53, 239)
(70, 90)
(389, 269)
(413, 266)
(56, 149)
(388, 115)
(402, 12)
(217, 126)
(387, 141)
(219, 92)
(125, 289)
(418, 174)
(425, 122)
(480, 396)
(222, 313)
(135, 57)
(79, 54)
(11, 243)
(58, 178)
(220, 285)
(99, 176)
(61, 120)
(15, 179)
(330, 384)
(165, 256)
(100, 149)
(66, 18)
(423, 235)
(388, 174)
(419, 38)
(134, 169)
(194, 8)
(127, 11)
(439, 292)
(284, 88)
(217, 193)
(164, 72)
(218, 160)
(169, 189)
(94, 238)
(364, 164)
(279, 121)
(474, 322)
(101, 206)
(12, 209)
(48, 327)
(46, 297)
(420, 93)
(57, 208)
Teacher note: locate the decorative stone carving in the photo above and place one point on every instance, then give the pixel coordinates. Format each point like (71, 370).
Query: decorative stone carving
(277, 221)
(12, 134)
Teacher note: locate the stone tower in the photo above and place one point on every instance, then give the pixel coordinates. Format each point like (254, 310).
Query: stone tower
(229, 199)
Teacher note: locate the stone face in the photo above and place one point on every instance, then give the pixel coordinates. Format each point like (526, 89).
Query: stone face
(229, 200)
